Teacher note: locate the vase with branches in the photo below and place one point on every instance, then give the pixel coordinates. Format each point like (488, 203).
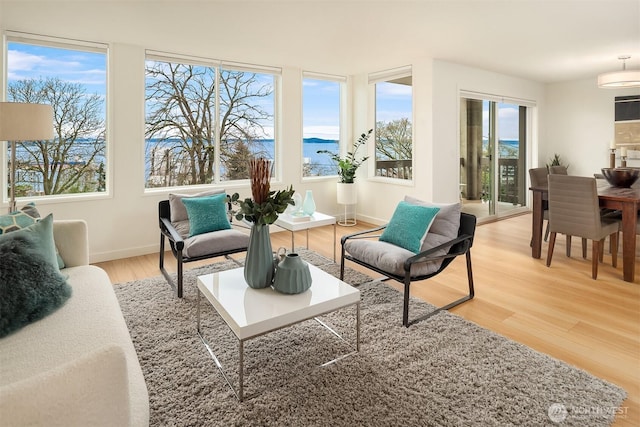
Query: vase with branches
(260, 210)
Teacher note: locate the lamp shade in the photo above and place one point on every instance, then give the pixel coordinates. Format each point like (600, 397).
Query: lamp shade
(25, 122)
(619, 79)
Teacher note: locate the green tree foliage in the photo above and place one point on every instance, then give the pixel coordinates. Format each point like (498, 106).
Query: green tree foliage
(394, 150)
(67, 163)
(393, 140)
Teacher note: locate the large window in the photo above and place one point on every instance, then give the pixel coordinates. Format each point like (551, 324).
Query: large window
(321, 113)
(394, 118)
(204, 121)
(72, 78)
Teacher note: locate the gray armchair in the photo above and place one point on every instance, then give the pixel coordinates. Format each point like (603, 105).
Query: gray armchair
(175, 228)
(396, 263)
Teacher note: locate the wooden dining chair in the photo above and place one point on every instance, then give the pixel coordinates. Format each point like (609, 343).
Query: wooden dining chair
(574, 210)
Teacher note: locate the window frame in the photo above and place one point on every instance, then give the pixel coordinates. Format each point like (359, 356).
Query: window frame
(218, 66)
(9, 36)
(381, 77)
(343, 145)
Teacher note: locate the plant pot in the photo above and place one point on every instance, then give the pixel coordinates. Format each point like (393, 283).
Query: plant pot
(347, 193)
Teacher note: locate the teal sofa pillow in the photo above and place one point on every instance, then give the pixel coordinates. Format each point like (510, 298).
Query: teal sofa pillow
(17, 220)
(30, 283)
(409, 225)
(207, 214)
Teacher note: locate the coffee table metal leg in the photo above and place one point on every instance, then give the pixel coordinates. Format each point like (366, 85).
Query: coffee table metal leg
(198, 311)
(239, 393)
(241, 369)
(358, 326)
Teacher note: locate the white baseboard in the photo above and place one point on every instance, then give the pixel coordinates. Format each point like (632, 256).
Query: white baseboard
(123, 253)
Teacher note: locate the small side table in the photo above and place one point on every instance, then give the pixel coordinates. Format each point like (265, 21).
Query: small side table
(316, 220)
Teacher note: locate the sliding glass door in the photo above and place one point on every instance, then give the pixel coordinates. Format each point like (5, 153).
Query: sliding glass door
(493, 142)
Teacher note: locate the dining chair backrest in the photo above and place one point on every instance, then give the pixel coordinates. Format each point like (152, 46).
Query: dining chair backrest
(573, 206)
(538, 177)
(558, 170)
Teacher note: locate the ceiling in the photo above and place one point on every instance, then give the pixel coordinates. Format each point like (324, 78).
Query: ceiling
(542, 40)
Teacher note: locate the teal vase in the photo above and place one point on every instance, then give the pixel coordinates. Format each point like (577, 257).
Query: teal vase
(309, 205)
(258, 266)
(292, 275)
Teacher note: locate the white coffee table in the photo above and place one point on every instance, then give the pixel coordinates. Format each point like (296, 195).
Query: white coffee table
(250, 313)
(318, 219)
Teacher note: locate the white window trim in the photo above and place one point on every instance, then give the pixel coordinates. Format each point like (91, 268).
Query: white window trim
(381, 77)
(68, 44)
(219, 65)
(390, 74)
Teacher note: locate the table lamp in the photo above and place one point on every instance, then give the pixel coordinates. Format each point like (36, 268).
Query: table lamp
(23, 122)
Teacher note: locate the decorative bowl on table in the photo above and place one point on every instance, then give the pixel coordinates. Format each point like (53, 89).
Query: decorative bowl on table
(621, 177)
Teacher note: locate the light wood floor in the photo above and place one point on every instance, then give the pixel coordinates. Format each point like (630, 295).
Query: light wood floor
(560, 311)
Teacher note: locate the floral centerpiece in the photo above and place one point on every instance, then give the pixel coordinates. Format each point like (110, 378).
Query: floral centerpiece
(260, 210)
(347, 166)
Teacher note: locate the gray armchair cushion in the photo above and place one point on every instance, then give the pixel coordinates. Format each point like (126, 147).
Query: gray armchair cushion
(390, 258)
(214, 242)
(387, 257)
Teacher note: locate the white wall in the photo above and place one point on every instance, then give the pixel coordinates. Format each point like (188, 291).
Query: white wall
(580, 125)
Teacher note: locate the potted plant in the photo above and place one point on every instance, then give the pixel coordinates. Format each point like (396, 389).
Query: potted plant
(261, 210)
(347, 167)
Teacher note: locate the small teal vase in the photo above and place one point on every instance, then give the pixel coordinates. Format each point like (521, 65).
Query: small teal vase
(309, 205)
(292, 275)
(258, 266)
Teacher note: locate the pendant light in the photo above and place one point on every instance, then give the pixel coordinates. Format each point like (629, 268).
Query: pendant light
(620, 79)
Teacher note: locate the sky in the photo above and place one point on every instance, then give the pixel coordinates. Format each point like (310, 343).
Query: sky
(508, 120)
(321, 98)
(321, 109)
(27, 61)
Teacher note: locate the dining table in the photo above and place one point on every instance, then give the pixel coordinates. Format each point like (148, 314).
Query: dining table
(626, 200)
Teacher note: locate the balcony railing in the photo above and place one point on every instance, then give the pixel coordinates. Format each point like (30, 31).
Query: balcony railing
(401, 169)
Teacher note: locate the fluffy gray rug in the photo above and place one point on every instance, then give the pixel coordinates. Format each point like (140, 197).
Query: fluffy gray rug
(445, 371)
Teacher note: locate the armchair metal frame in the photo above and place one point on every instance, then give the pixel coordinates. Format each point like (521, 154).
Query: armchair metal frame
(176, 242)
(461, 245)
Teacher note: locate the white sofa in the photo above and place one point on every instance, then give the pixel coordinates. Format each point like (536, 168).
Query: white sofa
(77, 366)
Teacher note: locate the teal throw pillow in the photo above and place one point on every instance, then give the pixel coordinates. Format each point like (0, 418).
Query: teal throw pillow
(17, 220)
(26, 216)
(409, 225)
(30, 283)
(206, 214)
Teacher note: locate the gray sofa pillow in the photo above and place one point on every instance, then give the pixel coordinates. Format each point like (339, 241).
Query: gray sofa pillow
(445, 226)
(178, 211)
